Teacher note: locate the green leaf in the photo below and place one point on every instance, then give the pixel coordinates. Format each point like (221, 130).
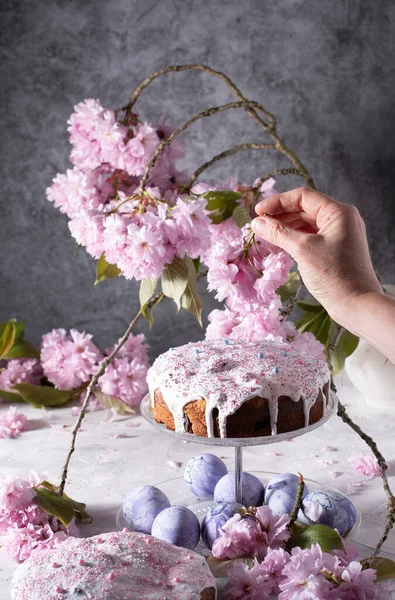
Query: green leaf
(175, 279)
(7, 337)
(322, 333)
(305, 537)
(384, 566)
(22, 349)
(42, 395)
(241, 216)
(10, 396)
(196, 262)
(309, 321)
(19, 331)
(217, 199)
(105, 271)
(58, 506)
(346, 346)
(290, 287)
(147, 290)
(310, 306)
(112, 402)
(80, 512)
(191, 299)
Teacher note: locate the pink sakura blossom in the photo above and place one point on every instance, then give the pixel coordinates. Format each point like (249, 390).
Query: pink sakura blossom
(237, 538)
(68, 361)
(221, 324)
(192, 227)
(83, 125)
(247, 536)
(24, 526)
(303, 579)
(87, 228)
(125, 380)
(272, 567)
(73, 191)
(365, 464)
(247, 584)
(138, 151)
(19, 371)
(12, 423)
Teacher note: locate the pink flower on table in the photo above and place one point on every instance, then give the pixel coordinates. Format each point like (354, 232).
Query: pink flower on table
(237, 538)
(19, 371)
(365, 464)
(247, 584)
(15, 493)
(68, 361)
(303, 579)
(12, 423)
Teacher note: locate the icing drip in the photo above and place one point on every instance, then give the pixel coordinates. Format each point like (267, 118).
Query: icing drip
(123, 566)
(227, 373)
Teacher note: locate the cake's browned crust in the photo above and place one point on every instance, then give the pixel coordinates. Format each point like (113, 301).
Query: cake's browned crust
(208, 594)
(252, 419)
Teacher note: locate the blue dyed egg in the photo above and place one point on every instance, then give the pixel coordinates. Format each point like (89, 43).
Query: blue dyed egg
(142, 505)
(280, 493)
(202, 474)
(253, 490)
(328, 508)
(177, 525)
(217, 516)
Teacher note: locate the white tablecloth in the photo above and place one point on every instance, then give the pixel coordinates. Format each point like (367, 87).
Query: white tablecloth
(112, 455)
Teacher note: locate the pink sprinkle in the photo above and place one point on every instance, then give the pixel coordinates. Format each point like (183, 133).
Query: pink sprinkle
(132, 424)
(190, 556)
(111, 576)
(336, 474)
(99, 540)
(177, 580)
(125, 530)
(159, 583)
(148, 540)
(55, 565)
(218, 378)
(328, 462)
(59, 590)
(329, 449)
(81, 562)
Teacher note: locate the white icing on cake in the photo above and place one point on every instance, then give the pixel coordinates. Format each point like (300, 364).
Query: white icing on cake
(113, 566)
(226, 373)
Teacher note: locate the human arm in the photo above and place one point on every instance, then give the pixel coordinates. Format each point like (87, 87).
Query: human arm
(328, 241)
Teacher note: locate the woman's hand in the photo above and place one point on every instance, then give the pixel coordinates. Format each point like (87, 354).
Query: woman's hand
(328, 241)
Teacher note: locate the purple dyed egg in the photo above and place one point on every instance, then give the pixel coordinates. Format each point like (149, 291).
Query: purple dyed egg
(177, 525)
(253, 490)
(142, 505)
(202, 474)
(328, 508)
(217, 516)
(280, 493)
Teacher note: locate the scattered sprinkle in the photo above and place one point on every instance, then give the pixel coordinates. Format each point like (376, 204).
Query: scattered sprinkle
(111, 576)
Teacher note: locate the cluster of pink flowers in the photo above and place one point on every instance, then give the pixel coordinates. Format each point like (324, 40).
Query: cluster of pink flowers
(252, 536)
(12, 423)
(24, 527)
(308, 574)
(141, 234)
(69, 361)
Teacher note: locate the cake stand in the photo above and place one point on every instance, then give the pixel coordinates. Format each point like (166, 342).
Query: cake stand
(237, 443)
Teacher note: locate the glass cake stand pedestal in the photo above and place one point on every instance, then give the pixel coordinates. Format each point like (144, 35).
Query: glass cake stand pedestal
(237, 443)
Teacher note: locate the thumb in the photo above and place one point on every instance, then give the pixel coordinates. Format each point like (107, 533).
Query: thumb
(277, 233)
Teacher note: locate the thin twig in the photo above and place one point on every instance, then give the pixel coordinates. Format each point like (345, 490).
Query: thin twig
(342, 413)
(264, 178)
(199, 67)
(225, 154)
(93, 382)
(269, 127)
(298, 501)
(208, 112)
(286, 312)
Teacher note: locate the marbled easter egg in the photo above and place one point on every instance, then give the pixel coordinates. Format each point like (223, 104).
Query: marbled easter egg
(202, 474)
(253, 490)
(177, 525)
(328, 508)
(217, 516)
(280, 493)
(142, 505)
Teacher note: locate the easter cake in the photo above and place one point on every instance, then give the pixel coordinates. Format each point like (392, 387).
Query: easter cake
(235, 388)
(114, 566)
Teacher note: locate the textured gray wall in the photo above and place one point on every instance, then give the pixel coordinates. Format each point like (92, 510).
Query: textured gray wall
(324, 67)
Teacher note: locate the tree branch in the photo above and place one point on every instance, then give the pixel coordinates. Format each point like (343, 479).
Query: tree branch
(93, 382)
(264, 178)
(342, 413)
(225, 154)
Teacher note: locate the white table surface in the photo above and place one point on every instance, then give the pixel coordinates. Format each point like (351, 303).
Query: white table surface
(113, 455)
